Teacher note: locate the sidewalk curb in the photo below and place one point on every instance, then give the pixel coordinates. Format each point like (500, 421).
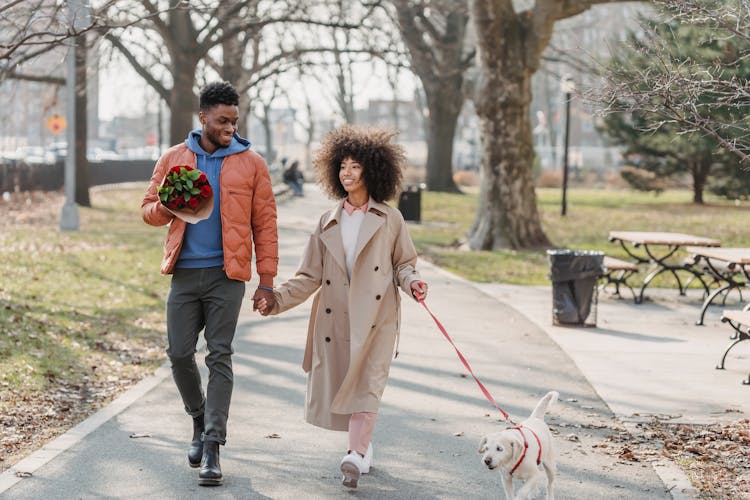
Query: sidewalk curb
(67, 440)
(675, 481)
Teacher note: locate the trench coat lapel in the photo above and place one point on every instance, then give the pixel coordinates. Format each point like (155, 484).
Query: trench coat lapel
(331, 237)
(374, 218)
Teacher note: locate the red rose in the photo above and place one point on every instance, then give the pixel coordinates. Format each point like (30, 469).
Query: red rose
(176, 169)
(174, 203)
(202, 179)
(205, 191)
(193, 202)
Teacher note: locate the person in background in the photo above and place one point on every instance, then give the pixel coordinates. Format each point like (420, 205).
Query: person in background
(357, 257)
(210, 263)
(293, 178)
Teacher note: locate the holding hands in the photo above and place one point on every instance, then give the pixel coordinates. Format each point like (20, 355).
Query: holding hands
(263, 300)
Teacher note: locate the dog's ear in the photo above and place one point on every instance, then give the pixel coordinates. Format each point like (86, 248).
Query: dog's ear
(482, 443)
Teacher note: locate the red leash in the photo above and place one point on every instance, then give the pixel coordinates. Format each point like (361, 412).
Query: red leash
(466, 364)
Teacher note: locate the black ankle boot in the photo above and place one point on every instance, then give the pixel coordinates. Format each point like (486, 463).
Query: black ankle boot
(195, 452)
(210, 473)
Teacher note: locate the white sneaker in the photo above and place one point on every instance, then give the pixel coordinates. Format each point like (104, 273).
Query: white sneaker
(367, 461)
(352, 466)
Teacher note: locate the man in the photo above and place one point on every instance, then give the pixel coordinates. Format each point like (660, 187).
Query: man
(210, 263)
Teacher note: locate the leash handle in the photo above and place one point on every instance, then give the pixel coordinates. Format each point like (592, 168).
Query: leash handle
(466, 364)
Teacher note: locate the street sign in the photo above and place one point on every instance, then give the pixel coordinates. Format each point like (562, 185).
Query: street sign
(56, 123)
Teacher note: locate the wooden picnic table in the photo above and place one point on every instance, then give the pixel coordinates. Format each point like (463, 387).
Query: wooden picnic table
(727, 266)
(657, 247)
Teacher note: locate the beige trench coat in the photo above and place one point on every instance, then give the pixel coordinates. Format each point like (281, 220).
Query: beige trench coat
(354, 324)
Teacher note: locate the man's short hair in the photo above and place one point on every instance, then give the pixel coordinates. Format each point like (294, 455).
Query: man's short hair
(218, 93)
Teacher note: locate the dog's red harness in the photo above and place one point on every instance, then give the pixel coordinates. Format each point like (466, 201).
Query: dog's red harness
(526, 448)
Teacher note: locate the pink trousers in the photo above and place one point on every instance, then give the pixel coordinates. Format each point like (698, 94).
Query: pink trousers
(361, 426)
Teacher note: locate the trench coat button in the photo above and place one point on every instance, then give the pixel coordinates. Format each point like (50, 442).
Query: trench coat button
(328, 282)
(377, 297)
(328, 310)
(377, 267)
(328, 339)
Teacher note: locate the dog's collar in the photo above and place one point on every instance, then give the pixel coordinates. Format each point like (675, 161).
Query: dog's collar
(526, 447)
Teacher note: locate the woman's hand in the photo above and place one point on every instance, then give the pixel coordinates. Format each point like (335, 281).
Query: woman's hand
(419, 290)
(261, 305)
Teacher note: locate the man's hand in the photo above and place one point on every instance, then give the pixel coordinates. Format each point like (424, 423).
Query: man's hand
(419, 290)
(263, 301)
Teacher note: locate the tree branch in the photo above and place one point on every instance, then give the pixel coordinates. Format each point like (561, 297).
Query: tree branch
(142, 71)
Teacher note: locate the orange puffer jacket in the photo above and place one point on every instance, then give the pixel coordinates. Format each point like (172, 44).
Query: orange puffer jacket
(248, 210)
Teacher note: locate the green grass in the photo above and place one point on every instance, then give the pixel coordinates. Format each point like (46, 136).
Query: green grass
(591, 214)
(81, 307)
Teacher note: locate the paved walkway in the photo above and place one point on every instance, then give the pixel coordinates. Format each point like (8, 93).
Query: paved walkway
(433, 415)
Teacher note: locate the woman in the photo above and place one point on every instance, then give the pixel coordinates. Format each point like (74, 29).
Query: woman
(358, 255)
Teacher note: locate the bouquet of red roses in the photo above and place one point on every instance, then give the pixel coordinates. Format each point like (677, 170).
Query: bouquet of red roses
(186, 193)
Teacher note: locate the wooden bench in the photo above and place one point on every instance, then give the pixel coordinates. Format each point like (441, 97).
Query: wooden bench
(739, 320)
(617, 272)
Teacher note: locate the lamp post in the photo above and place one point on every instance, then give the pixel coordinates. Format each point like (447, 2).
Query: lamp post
(69, 217)
(77, 16)
(568, 86)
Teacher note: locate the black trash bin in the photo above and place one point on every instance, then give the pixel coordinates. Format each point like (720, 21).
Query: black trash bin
(575, 275)
(410, 202)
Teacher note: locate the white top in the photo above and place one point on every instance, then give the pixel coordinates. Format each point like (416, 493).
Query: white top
(350, 225)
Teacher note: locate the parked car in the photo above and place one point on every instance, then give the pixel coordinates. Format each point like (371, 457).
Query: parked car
(35, 155)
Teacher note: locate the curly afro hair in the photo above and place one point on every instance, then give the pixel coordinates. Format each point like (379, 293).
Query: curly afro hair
(217, 93)
(382, 160)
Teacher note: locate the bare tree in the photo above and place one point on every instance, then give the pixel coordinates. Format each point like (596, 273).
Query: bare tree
(263, 101)
(30, 31)
(29, 28)
(434, 32)
(689, 94)
(510, 47)
(173, 41)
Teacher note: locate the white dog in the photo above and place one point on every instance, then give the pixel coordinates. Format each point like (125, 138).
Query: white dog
(519, 451)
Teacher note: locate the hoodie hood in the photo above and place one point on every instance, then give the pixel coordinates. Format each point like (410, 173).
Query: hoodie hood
(238, 145)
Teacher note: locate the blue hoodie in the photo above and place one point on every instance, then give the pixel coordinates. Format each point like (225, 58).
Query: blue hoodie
(202, 243)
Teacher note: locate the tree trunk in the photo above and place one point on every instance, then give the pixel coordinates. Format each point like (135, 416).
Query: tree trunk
(700, 173)
(444, 107)
(81, 125)
(232, 71)
(507, 215)
(182, 102)
(268, 129)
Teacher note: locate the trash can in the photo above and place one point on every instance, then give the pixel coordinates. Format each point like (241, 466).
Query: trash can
(575, 275)
(410, 202)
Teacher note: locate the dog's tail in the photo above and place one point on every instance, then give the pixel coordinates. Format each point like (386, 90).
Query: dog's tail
(541, 407)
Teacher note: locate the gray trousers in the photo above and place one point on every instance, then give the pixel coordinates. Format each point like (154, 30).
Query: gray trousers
(198, 299)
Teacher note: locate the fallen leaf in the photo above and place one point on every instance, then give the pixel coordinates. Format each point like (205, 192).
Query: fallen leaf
(273, 436)
(137, 435)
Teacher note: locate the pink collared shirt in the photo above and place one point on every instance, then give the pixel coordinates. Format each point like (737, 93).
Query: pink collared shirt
(351, 208)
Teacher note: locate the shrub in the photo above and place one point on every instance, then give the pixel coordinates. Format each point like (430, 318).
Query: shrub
(642, 179)
(468, 178)
(549, 179)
